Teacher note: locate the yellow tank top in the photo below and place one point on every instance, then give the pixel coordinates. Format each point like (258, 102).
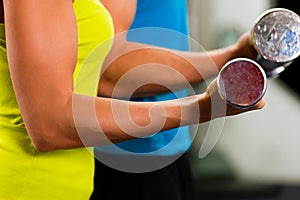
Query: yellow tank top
(26, 174)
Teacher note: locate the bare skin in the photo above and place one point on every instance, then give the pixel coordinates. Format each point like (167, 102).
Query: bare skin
(49, 121)
(195, 67)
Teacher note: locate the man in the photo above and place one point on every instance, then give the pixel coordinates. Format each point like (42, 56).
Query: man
(173, 180)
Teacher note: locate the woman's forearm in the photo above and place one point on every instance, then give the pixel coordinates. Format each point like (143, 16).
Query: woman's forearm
(93, 121)
(89, 121)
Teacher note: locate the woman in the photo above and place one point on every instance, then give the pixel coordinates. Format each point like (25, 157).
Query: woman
(45, 126)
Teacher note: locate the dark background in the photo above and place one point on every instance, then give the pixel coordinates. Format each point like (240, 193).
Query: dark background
(290, 75)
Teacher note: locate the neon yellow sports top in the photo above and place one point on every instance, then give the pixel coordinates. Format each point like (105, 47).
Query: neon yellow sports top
(26, 174)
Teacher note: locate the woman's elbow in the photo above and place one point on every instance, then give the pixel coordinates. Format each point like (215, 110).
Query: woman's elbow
(44, 141)
(50, 137)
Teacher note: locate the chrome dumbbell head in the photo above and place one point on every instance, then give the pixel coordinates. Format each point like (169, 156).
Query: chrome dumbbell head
(276, 38)
(241, 82)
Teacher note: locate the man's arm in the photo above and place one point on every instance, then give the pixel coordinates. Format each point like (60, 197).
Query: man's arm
(136, 70)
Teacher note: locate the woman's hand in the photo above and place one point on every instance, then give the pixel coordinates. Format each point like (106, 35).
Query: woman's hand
(218, 106)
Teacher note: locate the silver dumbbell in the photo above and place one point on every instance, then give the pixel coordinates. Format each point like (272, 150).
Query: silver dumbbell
(276, 38)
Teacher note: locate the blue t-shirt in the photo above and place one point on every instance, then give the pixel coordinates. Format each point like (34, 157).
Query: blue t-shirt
(166, 25)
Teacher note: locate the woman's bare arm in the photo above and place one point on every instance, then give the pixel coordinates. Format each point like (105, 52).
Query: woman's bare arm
(42, 52)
